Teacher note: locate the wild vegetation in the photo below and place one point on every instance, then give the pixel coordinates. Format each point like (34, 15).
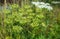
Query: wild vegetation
(29, 22)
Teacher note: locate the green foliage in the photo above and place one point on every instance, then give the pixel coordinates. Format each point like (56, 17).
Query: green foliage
(30, 23)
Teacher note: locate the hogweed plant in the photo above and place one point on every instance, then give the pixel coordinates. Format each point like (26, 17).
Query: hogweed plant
(43, 5)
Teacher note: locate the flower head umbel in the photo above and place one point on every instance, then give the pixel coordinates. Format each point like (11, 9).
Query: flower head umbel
(42, 5)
